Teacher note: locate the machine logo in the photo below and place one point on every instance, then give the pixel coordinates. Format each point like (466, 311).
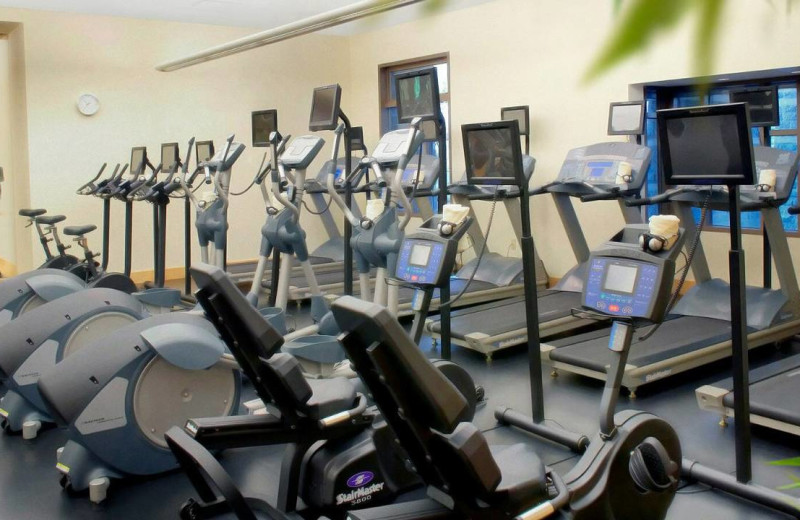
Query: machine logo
(360, 479)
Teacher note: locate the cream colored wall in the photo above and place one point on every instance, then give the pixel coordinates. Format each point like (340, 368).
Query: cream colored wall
(66, 55)
(511, 52)
(504, 52)
(7, 218)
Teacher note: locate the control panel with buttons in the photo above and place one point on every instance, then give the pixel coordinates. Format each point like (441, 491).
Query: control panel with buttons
(622, 287)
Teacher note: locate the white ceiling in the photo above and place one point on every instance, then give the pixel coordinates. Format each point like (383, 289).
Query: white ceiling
(258, 14)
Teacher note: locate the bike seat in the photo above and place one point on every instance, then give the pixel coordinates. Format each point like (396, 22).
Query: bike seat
(50, 219)
(77, 231)
(30, 213)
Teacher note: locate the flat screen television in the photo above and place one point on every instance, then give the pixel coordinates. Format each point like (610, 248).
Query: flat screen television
(706, 145)
(492, 153)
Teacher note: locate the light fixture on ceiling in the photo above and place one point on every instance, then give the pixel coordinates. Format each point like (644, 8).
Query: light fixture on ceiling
(290, 30)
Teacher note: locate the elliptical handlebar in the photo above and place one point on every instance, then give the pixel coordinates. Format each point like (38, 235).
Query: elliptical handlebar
(90, 187)
(331, 179)
(139, 185)
(415, 138)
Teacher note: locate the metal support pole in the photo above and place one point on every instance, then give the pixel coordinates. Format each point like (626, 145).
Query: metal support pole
(348, 200)
(128, 236)
(741, 387)
(531, 308)
(187, 245)
(106, 233)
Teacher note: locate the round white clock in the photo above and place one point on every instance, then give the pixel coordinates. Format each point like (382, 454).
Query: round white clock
(88, 104)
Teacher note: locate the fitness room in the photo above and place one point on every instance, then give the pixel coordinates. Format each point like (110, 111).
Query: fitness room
(464, 259)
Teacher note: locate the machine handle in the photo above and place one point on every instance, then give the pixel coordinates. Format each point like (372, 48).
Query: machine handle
(188, 157)
(794, 210)
(331, 178)
(605, 195)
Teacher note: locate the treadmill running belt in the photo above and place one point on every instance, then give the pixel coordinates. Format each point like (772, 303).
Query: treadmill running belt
(675, 337)
(406, 294)
(508, 315)
(775, 398)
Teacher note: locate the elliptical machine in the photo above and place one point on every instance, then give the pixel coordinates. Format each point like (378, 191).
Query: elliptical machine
(117, 397)
(212, 206)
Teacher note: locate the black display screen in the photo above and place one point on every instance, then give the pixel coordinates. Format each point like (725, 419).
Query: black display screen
(169, 157)
(492, 153)
(138, 159)
(205, 150)
(626, 118)
(706, 145)
(325, 108)
(417, 95)
(762, 102)
(263, 123)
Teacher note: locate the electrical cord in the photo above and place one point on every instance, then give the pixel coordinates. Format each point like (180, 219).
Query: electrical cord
(322, 211)
(235, 194)
(692, 250)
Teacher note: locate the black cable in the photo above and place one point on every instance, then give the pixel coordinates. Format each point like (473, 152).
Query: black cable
(692, 250)
(322, 211)
(243, 191)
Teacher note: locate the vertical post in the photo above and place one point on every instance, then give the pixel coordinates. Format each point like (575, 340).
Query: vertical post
(128, 236)
(106, 232)
(156, 239)
(766, 248)
(187, 245)
(442, 140)
(741, 390)
(275, 275)
(531, 308)
(348, 200)
(161, 268)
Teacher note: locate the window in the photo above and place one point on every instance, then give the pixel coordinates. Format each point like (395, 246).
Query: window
(388, 99)
(784, 136)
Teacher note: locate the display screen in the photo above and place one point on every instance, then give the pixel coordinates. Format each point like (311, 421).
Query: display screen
(762, 102)
(138, 159)
(518, 114)
(620, 278)
(205, 151)
(706, 145)
(325, 108)
(263, 122)
(626, 118)
(420, 254)
(492, 153)
(417, 95)
(169, 157)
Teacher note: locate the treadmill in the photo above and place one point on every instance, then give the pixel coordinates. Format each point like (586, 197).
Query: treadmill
(699, 329)
(589, 173)
(769, 387)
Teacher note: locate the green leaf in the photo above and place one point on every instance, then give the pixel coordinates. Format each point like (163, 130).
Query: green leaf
(707, 29)
(635, 30)
(786, 462)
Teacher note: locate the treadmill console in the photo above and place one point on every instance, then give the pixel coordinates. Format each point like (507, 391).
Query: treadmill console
(598, 164)
(427, 257)
(302, 151)
(622, 287)
(420, 262)
(624, 281)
